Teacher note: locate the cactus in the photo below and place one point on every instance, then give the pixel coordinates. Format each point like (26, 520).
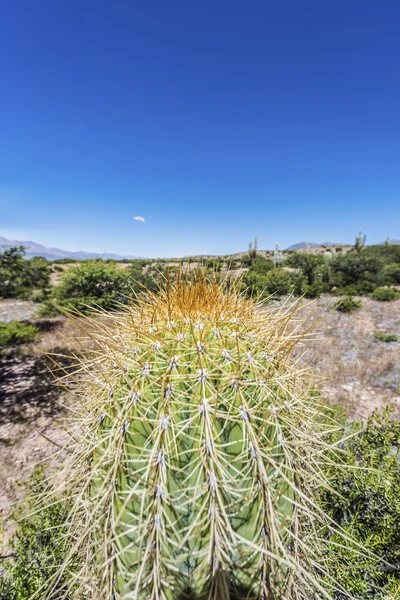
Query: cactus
(253, 251)
(360, 242)
(277, 257)
(196, 453)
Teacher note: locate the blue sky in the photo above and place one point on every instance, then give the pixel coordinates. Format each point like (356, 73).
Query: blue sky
(216, 121)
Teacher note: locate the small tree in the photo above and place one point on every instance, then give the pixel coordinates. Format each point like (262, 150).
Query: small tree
(18, 276)
(92, 284)
(312, 266)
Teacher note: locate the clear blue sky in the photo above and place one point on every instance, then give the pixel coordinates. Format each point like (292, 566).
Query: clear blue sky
(214, 120)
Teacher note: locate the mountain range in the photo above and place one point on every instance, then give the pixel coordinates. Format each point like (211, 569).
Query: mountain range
(33, 249)
(302, 245)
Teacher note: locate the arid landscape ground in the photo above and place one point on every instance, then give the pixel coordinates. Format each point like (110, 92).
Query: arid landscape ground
(355, 369)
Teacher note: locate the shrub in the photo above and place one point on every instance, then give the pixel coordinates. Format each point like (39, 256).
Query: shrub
(364, 499)
(315, 289)
(37, 546)
(392, 274)
(347, 305)
(17, 332)
(385, 294)
(91, 284)
(19, 277)
(359, 270)
(261, 265)
(385, 337)
(275, 282)
(312, 266)
(65, 261)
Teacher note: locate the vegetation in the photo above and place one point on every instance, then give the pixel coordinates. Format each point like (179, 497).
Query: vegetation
(364, 271)
(264, 282)
(37, 546)
(96, 284)
(20, 278)
(17, 332)
(385, 337)
(347, 305)
(355, 274)
(365, 501)
(385, 294)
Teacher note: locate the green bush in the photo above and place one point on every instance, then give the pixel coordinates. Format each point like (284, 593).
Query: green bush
(364, 499)
(20, 277)
(37, 547)
(275, 282)
(65, 261)
(347, 305)
(385, 294)
(392, 274)
(361, 271)
(91, 284)
(312, 266)
(98, 284)
(388, 254)
(315, 289)
(385, 337)
(261, 265)
(17, 332)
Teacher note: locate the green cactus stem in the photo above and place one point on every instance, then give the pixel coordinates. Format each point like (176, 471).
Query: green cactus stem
(196, 453)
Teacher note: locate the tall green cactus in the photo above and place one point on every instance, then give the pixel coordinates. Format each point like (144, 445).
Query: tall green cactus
(253, 251)
(360, 242)
(196, 453)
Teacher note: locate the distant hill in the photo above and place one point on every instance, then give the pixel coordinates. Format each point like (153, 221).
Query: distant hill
(393, 242)
(33, 249)
(303, 245)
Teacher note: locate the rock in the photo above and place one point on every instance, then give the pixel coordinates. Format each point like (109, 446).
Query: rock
(348, 387)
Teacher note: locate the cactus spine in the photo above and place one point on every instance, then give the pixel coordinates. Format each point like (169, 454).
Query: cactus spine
(199, 447)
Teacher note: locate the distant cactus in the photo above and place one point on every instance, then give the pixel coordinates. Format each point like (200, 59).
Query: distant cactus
(277, 257)
(196, 454)
(360, 242)
(253, 251)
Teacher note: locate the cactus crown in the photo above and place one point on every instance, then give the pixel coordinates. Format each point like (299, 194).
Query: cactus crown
(198, 450)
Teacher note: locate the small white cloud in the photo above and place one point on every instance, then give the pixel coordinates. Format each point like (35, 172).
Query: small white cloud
(141, 219)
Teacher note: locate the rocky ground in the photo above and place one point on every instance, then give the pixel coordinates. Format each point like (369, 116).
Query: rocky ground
(17, 310)
(356, 371)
